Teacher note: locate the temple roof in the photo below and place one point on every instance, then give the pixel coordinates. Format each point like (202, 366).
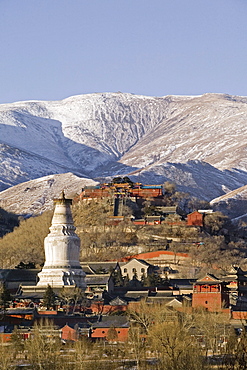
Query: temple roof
(209, 279)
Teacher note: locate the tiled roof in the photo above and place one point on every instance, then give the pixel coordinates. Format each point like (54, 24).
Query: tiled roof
(155, 254)
(20, 311)
(143, 262)
(97, 279)
(182, 282)
(96, 266)
(88, 270)
(6, 328)
(18, 275)
(112, 321)
(118, 302)
(209, 278)
(136, 294)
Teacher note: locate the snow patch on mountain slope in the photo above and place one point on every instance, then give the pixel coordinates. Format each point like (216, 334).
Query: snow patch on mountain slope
(80, 132)
(104, 135)
(36, 196)
(209, 129)
(194, 177)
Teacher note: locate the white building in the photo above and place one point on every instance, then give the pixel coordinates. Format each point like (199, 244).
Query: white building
(136, 267)
(62, 250)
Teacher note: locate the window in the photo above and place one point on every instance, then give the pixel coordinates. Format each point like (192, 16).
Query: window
(142, 270)
(133, 270)
(206, 302)
(103, 332)
(125, 270)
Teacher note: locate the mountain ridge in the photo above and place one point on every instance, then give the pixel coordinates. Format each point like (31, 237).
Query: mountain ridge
(198, 142)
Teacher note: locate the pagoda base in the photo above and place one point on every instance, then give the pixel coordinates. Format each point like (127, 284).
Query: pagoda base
(59, 278)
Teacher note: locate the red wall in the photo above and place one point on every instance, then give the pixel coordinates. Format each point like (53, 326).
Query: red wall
(239, 315)
(107, 191)
(195, 219)
(101, 333)
(146, 193)
(211, 301)
(95, 193)
(210, 296)
(5, 337)
(105, 309)
(68, 333)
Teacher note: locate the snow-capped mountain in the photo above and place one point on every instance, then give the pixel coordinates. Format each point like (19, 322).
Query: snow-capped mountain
(198, 142)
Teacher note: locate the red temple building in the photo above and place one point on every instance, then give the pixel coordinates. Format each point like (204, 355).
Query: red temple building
(135, 190)
(210, 293)
(195, 219)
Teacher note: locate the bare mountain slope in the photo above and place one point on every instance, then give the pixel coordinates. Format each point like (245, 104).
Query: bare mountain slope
(36, 196)
(210, 128)
(233, 204)
(104, 135)
(197, 178)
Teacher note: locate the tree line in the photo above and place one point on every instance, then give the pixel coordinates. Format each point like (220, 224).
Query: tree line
(159, 339)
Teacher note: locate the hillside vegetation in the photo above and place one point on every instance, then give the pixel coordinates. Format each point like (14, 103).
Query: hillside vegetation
(26, 242)
(217, 244)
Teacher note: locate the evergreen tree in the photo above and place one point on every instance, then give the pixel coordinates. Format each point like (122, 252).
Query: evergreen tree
(127, 179)
(49, 297)
(126, 280)
(135, 277)
(117, 180)
(154, 280)
(144, 280)
(5, 296)
(135, 283)
(117, 277)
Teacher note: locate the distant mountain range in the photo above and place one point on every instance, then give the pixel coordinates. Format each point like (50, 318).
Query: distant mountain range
(198, 142)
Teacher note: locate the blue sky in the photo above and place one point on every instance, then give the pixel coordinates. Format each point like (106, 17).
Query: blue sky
(52, 49)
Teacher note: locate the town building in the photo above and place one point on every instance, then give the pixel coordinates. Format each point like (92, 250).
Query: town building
(210, 293)
(12, 278)
(195, 219)
(136, 268)
(242, 282)
(111, 328)
(133, 190)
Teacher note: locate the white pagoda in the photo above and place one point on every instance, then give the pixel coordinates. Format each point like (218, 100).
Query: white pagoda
(62, 250)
